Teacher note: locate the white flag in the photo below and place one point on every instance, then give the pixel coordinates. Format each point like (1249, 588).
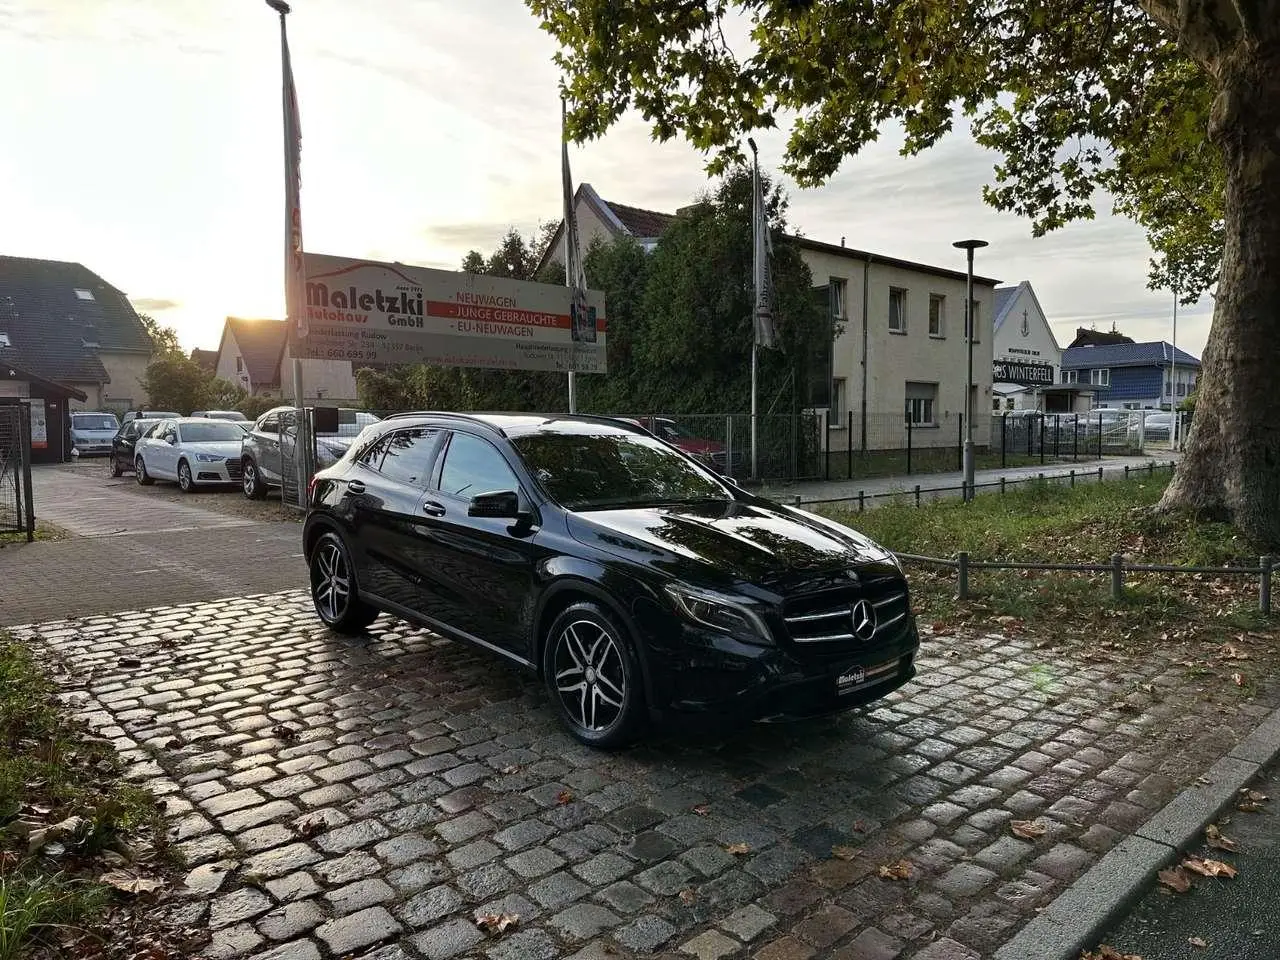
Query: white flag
(766, 334)
(295, 278)
(582, 320)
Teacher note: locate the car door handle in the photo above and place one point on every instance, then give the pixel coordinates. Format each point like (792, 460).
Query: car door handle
(355, 486)
(433, 509)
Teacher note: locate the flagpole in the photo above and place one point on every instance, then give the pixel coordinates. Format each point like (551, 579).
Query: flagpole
(294, 315)
(755, 335)
(571, 253)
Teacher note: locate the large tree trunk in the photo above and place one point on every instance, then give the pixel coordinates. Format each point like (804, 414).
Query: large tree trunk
(1232, 465)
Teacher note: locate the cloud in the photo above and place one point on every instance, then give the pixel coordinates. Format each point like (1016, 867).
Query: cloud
(153, 304)
(473, 236)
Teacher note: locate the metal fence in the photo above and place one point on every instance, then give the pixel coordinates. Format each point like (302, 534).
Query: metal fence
(17, 514)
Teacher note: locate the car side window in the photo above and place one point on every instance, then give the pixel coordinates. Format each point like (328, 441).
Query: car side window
(270, 424)
(409, 455)
(372, 456)
(473, 466)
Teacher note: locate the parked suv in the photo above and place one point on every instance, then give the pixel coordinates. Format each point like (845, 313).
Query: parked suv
(270, 446)
(634, 580)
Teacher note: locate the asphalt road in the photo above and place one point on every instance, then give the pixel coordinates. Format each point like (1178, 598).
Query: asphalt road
(1238, 919)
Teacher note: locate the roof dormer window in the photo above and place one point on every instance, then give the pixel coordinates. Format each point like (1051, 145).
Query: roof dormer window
(83, 294)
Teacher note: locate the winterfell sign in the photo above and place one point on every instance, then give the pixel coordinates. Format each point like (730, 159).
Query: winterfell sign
(1027, 373)
(361, 310)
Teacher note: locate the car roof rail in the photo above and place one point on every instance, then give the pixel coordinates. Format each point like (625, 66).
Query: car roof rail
(448, 415)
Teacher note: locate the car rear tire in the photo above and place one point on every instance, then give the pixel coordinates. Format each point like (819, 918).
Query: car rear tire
(186, 482)
(140, 473)
(116, 469)
(333, 588)
(254, 487)
(593, 677)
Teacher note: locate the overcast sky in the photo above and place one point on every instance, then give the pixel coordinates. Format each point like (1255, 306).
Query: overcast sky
(142, 138)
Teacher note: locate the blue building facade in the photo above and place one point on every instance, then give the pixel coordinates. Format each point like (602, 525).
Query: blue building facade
(1133, 376)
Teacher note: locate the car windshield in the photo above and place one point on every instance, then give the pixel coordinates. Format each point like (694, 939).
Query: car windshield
(210, 432)
(94, 421)
(585, 471)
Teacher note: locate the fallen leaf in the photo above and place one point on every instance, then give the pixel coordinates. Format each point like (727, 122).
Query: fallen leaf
(844, 853)
(311, 827)
(564, 796)
(896, 871)
(702, 809)
(1238, 679)
(1175, 879)
(1107, 952)
(1198, 942)
(1248, 806)
(1255, 796)
(131, 883)
(1203, 780)
(859, 826)
(688, 897)
(1028, 829)
(1209, 868)
(510, 769)
(496, 924)
(738, 849)
(1214, 837)
(284, 732)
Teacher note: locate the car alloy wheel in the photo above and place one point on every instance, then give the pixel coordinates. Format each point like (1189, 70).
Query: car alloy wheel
(333, 588)
(591, 673)
(185, 482)
(140, 473)
(254, 488)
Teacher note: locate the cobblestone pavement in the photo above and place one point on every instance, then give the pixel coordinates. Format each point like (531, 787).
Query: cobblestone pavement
(369, 798)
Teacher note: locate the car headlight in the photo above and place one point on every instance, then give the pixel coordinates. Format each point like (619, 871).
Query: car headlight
(721, 613)
(209, 458)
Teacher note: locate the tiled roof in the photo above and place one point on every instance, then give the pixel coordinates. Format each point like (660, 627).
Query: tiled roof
(208, 359)
(56, 332)
(1098, 338)
(641, 224)
(1004, 301)
(1157, 353)
(261, 344)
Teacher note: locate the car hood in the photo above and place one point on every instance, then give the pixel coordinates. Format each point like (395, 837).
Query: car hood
(755, 541)
(217, 448)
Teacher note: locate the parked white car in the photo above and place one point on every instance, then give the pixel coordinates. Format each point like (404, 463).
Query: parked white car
(190, 451)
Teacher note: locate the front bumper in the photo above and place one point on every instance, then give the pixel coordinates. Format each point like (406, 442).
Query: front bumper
(223, 471)
(714, 675)
(90, 448)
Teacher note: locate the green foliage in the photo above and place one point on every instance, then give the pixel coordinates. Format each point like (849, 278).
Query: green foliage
(222, 394)
(1077, 98)
(174, 381)
(164, 340)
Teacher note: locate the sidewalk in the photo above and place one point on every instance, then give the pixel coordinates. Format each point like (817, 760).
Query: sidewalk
(933, 485)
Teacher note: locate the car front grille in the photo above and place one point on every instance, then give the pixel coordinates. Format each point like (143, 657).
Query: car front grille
(234, 469)
(825, 619)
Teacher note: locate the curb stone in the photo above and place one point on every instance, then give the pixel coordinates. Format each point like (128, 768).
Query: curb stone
(1071, 922)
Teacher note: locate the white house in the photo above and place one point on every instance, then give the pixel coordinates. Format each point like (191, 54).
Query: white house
(1028, 360)
(255, 355)
(901, 355)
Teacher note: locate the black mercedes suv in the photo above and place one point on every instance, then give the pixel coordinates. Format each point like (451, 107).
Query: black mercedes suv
(634, 580)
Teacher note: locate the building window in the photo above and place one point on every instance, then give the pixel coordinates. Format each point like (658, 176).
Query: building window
(897, 310)
(937, 315)
(1182, 389)
(1070, 376)
(921, 399)
(839, 291)
(977, 320)
(82, 294)
(239, 365)
(1100, 378)
(838, 412)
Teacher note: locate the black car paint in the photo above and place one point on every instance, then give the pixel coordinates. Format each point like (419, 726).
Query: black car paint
(499, 583)
(123, 443)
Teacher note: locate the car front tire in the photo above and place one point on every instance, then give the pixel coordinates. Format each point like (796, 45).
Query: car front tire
(333, 588)
(140, 473)
(116, 469)
(254, 487)
(593, 677)
(186, 482)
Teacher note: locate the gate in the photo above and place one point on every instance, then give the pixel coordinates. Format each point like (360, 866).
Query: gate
(16, 512)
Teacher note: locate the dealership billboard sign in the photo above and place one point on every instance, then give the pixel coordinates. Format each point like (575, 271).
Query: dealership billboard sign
(1027, 373)
(370, 312)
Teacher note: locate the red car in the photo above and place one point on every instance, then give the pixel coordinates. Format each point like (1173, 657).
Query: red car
(710, 452)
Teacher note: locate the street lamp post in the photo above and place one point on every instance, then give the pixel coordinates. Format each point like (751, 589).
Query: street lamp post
(968, 246)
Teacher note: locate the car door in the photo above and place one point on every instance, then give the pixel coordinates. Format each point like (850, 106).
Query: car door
(265, 446)
(477, 570)
(385, 489)
(162, 451)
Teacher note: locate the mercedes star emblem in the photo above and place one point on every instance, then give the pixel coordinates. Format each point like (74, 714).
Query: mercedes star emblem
(864, 619)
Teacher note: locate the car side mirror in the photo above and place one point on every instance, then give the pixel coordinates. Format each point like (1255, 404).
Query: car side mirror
(171, 441)
(500, 505)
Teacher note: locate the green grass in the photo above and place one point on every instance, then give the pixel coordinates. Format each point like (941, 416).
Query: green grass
(50, 770)
(43, 531)
(1048, 522)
